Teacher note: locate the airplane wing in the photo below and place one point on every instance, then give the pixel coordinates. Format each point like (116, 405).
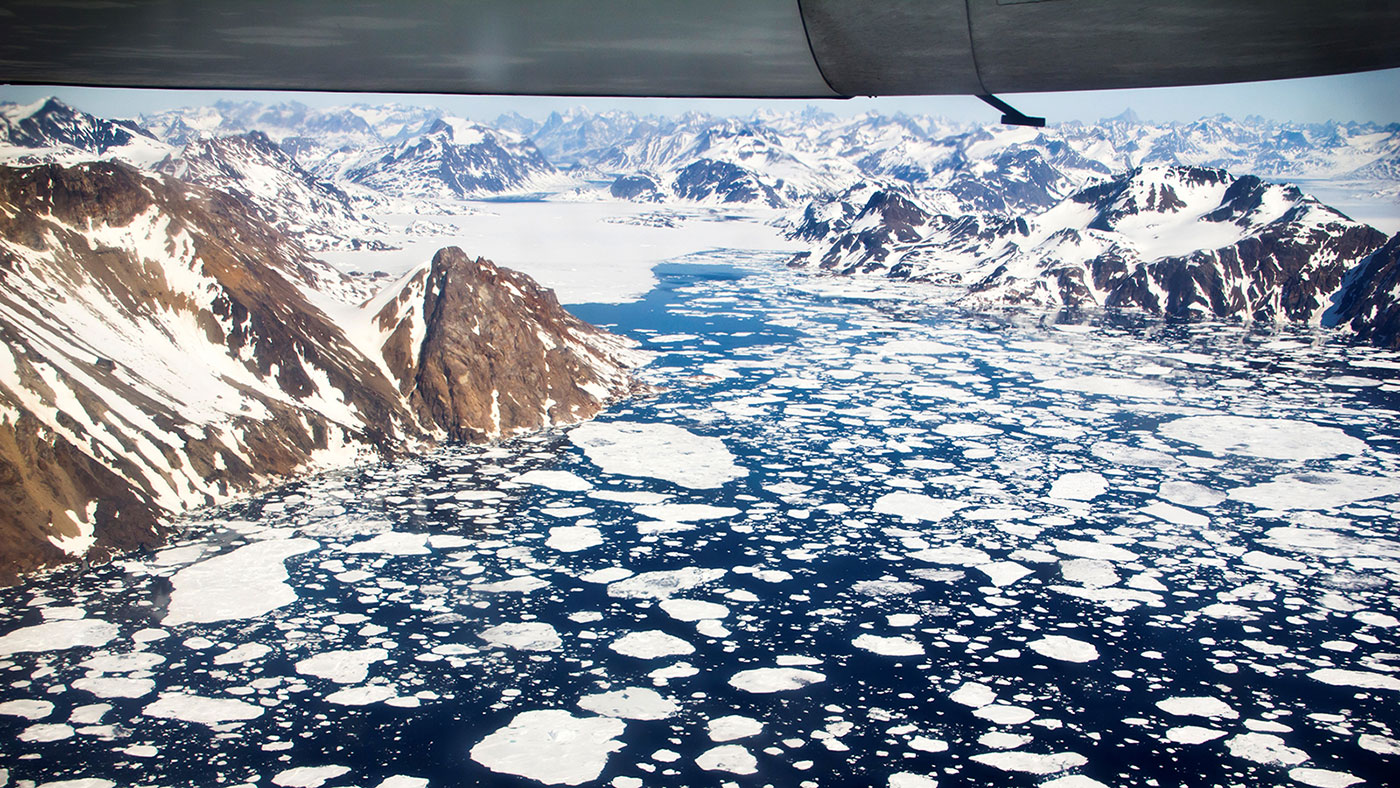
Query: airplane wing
(709, 48)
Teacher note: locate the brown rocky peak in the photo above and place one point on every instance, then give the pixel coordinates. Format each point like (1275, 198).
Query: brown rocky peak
(498, 354)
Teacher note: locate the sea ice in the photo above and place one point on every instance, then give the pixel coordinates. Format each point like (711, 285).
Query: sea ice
(563, 481)
(1032, 763)
(1192, 734)
(115, 687)
(551, 746)
(685, 512)
(26, 708)
(732, 758)
(1264, 748)
(889, 646)
(245, 583)
(658, 451)
(348, 666)
(1275, 439)
(1323, 778)
(523, 636)
(205, 711)
(652, 644)
(1064, 648)
(974, 694)
(765, 680)
(733, 727)
(57, 635)
(1081, 486)
(632, 703)
(911, 780)
(917, 506)
(392, 543)
(1200, 706)
(1189, 494)
(1363, 679)
(1320, 490)
(693, 609)
(663, 583)
(573, 538)
(308, 776)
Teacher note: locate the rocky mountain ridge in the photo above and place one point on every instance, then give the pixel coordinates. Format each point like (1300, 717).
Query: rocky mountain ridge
(166, 348)
(1173, 240)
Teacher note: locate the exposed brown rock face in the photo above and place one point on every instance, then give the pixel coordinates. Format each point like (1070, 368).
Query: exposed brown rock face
(498, 354)
(162, 351)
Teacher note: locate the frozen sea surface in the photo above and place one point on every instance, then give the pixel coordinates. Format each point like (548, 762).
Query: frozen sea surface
(860, 540)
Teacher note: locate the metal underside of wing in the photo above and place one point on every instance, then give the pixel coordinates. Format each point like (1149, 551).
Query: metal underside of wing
(715, 48)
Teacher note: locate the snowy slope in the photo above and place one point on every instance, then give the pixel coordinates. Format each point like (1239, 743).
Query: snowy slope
(315, 212)
(165, 348)
(51, 131)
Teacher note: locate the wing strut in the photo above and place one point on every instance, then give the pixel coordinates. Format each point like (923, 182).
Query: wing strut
(1012, 116)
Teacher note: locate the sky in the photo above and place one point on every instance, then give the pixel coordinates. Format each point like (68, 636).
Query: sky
(1369, 96)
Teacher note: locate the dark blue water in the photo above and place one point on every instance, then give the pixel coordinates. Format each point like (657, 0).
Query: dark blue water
(832, 404)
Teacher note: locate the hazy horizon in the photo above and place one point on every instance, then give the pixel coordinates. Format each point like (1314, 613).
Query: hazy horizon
(1364, 97)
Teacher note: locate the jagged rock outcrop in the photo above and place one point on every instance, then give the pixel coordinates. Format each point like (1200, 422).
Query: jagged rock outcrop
(635, 187)
(1368, 302)
(481, 351)
(165, 349)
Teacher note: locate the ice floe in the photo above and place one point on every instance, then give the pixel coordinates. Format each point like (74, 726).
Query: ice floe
(247, 582)
(658, 451)
(551, 746)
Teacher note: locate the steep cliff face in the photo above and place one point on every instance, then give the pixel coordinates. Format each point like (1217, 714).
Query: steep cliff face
(482, 352)
(1369, 299)
(164, 349)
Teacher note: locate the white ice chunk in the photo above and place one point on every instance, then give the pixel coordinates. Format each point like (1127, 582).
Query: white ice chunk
(1320, 490)
(1189, 494)
(658, 451)
(347, 666)
(917, 506)
(651, 644)
(1363, 679)
(573, 538)
(202, 710)
(57, 635)
(1192, 734)
(246, 583)
(563, 481)
(1275, 439)
(308, 776)
(1264, 748)
(552, 747)
(662, 584)
(1198, 706)
(1032, 763)
(766, 680)
(732, 758)
(693, 609)
(1081, 486)
(1323, 778)
(733, 727)
(632, 703)
(1065, 649)
(898, 646)
(523, 636)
